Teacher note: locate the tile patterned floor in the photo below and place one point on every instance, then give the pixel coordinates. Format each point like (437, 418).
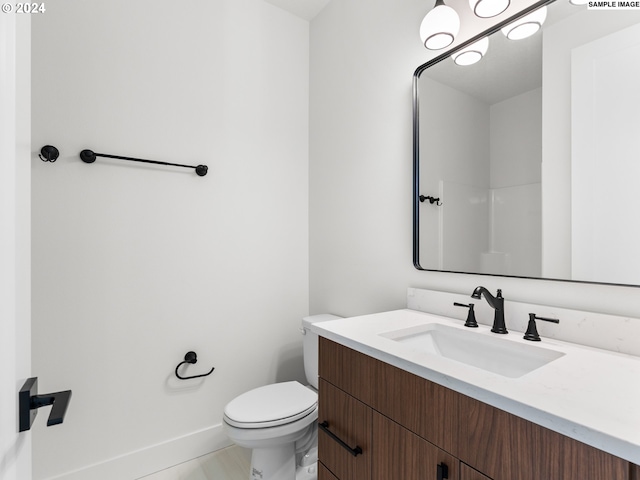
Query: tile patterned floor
(230, 463)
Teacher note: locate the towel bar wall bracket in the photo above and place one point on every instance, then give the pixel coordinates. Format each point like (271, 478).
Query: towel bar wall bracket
(89, 156)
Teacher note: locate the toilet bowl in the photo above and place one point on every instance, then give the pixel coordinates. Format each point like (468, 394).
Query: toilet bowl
(279, 421)
(272, 421)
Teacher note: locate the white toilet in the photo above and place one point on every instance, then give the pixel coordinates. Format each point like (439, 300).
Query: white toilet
(279, 421)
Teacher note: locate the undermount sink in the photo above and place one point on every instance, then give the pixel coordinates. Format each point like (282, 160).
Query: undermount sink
(492, 353)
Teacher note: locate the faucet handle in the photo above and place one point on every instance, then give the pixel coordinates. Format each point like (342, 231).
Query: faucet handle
(471, 316)
(532, 332)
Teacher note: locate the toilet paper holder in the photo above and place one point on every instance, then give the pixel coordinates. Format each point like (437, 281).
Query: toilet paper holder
(191, 357)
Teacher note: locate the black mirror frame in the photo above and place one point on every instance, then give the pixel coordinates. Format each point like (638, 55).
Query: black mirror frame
(416, 149)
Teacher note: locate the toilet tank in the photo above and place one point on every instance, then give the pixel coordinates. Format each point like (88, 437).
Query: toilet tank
(310, 346)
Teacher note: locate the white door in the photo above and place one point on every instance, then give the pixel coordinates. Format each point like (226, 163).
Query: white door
(605, 128)
(15, 240)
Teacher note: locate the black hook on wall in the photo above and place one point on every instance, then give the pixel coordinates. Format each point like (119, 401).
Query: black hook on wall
(49, 153)
(431, 199)
(191, 357)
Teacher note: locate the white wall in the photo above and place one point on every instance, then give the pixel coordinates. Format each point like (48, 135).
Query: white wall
(363, 55)
(134, 265)
(15, 231)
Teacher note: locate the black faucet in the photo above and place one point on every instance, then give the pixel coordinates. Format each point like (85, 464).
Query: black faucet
(497, 303)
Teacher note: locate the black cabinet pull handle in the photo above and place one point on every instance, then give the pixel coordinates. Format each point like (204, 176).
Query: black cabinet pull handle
(324, 426)
(443, 471)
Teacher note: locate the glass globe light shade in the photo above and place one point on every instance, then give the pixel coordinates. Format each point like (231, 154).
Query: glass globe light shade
(526, 26)
(471, 54)
(439, 27)
(488, 8)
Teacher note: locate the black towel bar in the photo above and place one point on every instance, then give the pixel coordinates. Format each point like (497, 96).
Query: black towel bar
(89, 156)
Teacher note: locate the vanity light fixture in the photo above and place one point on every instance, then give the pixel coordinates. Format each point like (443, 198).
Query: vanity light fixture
(471, 54)
(439, 26)
(526, 26)
(488, 8)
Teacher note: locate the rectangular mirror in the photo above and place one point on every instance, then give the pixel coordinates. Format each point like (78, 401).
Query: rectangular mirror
(526, 163)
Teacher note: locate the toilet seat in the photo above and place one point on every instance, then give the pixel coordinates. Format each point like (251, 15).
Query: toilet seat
(271, 406)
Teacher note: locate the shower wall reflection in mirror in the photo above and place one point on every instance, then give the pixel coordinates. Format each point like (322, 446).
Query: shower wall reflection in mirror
(534, 153)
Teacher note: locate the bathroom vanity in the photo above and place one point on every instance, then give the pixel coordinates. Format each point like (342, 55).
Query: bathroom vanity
(416, 415)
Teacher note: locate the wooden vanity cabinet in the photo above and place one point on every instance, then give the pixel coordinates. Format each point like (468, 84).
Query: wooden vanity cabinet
(425, 408)
(350, 371)
(367, 402)
(407, 426)
(401, 454)
(348, 422)
(506, 446)
(324, 473)
(468, 473)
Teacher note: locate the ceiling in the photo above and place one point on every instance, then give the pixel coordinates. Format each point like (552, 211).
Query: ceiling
(306, 9)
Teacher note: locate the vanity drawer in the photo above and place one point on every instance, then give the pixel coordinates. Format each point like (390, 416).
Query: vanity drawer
(348, 429)
(347, 369)
(505, 447)
(401, 454)
(424, 407)
(468, 473)
(324, 474)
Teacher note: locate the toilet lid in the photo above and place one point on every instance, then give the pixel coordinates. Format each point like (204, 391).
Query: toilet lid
(271, 405)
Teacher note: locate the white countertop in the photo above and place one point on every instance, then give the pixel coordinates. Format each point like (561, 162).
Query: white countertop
(590, 395)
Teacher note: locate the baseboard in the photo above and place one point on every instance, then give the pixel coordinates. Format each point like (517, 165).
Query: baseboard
(154, 458)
